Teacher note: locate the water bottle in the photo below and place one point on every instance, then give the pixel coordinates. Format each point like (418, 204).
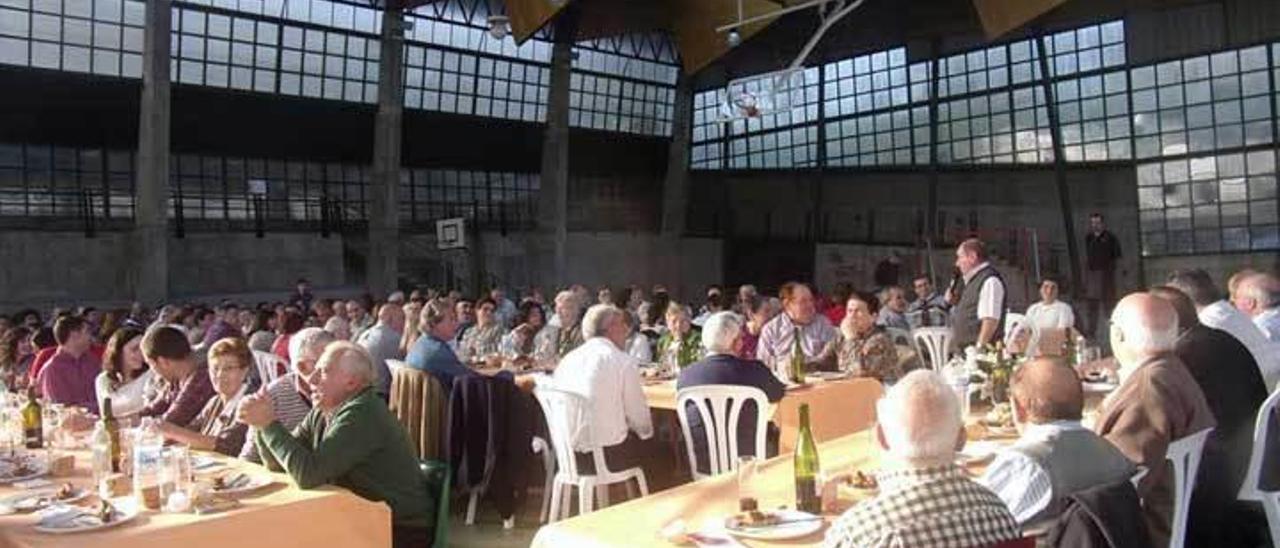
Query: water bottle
(148, 465)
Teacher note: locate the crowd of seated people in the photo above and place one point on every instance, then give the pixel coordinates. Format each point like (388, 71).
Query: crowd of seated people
(1188, 357)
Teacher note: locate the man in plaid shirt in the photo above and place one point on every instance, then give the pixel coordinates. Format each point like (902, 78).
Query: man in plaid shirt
(925, 500)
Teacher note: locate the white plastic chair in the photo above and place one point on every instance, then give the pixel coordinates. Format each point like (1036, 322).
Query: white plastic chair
(933, 342)
(1015, 323)
(1249, 490)
(395, 364)
(1185, 455)
(568, 420)
(719, 406)
(541, 447)
(268, 365)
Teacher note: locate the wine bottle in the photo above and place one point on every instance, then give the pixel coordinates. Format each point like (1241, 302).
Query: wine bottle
(32, 421)
(112, 428)
(806, 467)
(797, 358)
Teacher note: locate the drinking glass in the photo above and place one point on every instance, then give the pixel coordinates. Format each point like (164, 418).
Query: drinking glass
(747, 468)
(176, 474)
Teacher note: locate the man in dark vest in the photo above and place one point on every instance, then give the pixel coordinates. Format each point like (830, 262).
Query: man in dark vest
(978, 316)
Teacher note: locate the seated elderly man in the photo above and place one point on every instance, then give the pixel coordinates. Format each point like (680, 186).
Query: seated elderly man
(1157, 402)
(925, 499)
(609, 379)
(893, 309)
(1258, 296)
(349, 439)
(722, 337)
(1218, 313)
(290, 394)
(1056, 456)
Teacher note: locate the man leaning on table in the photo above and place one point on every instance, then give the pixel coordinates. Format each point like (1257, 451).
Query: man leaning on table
(799, 317)
(1055, 456)
(348, 439)
(925, 499)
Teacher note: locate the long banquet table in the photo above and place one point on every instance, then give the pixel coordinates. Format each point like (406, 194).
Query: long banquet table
(279, 515)
(708, 501)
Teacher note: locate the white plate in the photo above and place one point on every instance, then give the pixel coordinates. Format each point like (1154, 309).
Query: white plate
(256, 482)
(782, 531)
(125, 512)
(38, 468)
(978, 451)
(30, 500)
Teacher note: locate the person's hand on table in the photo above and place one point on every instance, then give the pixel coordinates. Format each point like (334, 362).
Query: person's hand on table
(255, 410)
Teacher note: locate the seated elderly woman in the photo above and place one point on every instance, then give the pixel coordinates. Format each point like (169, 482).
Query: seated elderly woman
(681, 345)
(348, 439)
(517, 345)
(861, 347)
(481, 343)
(216, 427)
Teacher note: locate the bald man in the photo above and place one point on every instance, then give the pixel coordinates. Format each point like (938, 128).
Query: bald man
(1258, 296)
(1234, 390)
(1056, 456)
(1158, 401)
(382, 341)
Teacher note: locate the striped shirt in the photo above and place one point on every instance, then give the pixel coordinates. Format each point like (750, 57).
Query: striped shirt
(935, 507)
(289, 406)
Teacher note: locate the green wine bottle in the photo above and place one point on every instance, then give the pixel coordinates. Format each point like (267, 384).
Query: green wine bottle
(797, 358)
(806, 467)
(32, 421)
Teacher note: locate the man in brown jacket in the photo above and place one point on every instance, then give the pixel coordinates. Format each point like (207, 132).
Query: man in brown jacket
(1158, 401)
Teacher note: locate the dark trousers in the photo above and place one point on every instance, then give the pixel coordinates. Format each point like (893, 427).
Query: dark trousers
(632, 452)
(403, 536)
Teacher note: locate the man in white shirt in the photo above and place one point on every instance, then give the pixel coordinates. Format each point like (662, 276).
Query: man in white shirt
(609, 379)
(1258, 295)
(978, 315)
(1056, 456)
(1216, 312)
(1050, 313)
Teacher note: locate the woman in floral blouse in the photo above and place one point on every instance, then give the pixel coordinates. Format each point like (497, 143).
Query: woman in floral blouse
(861, 348)
(482, 341)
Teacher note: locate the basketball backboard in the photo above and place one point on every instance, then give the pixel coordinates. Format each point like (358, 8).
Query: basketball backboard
(761, 94)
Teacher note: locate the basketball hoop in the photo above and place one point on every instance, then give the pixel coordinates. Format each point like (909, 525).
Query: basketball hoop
(756, 96)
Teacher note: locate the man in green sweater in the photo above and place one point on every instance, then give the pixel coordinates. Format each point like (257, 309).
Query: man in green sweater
(348, 439)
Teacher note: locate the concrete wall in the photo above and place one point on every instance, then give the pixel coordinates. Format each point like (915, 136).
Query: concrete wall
(59, 268)
(594, 259)
(886, 208)
(1220, 267)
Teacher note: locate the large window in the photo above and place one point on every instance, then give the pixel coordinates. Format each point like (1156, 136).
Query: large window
(47, 181)
(330, 50)
(1207, 204)
(1203, 103)
(493, 199)
(93, 36)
